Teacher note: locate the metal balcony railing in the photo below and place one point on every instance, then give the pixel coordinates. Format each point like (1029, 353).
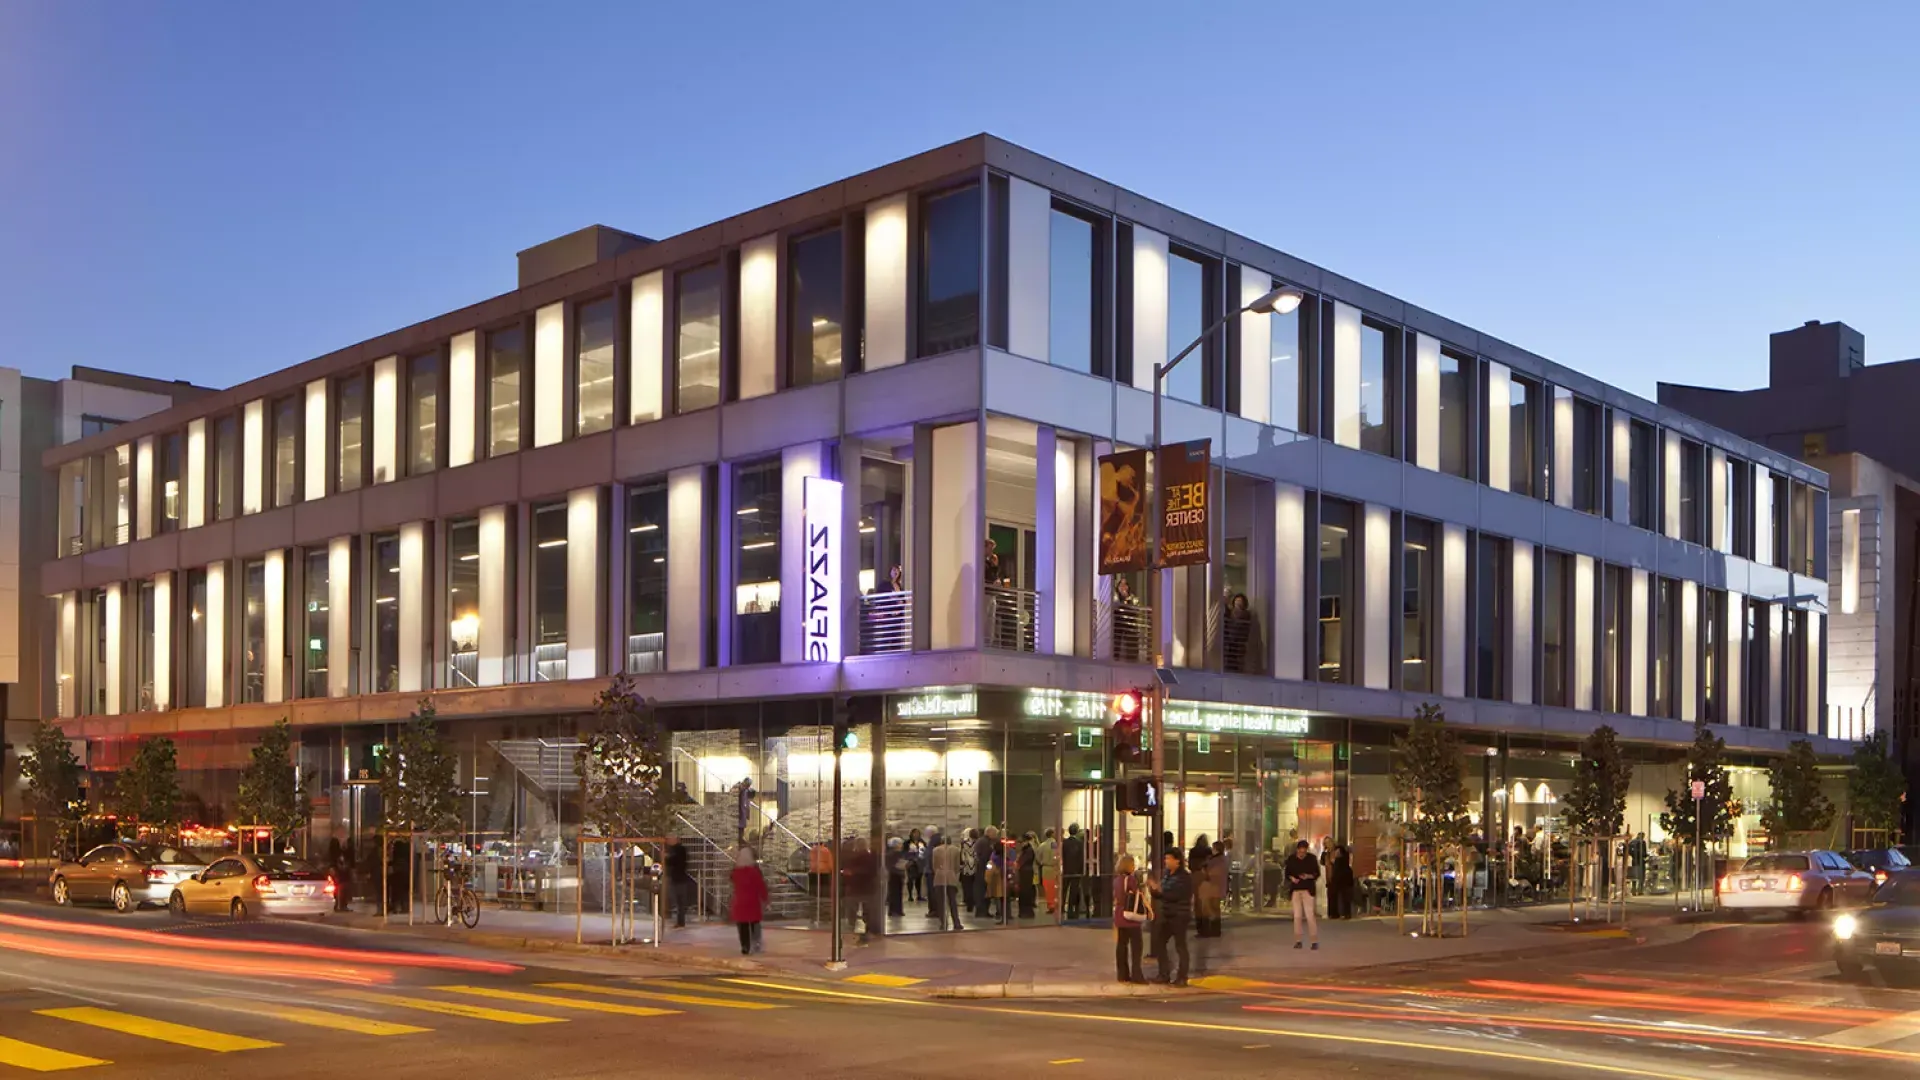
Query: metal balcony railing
(1127, 632)
(646, 653)
(463, 669)
(886, 622)
(1012, 617)
(550, 661)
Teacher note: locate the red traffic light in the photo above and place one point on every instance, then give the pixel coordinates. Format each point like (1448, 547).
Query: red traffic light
(1127, 705)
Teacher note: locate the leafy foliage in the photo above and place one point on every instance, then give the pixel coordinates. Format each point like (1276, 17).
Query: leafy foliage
(270, 792)
(1876, 786)
(1798, 806)
(1706, 762)
(623, 766)
(1596, 803)
(51, 774)
(420, 783)
(1426, 777)
(148, 789)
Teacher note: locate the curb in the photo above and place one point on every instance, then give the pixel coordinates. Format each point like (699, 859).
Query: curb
(486, 940)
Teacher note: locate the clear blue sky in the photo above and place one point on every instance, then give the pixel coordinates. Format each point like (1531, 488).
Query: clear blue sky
(213, 190)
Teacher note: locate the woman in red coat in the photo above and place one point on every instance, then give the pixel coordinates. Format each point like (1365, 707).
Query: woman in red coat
(749, 898)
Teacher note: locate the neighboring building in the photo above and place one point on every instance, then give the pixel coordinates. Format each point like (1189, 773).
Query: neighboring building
(619, 466)
(1825, 406)
(36, 414)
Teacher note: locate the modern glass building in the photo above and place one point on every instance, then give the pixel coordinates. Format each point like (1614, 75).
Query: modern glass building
(846, 444)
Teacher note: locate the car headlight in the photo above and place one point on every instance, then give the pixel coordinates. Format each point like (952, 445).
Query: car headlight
(1844, 926)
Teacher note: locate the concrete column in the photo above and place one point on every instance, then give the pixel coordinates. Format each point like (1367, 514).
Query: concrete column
(1776, 656)
(885, 295)
(954, 574)
(1056, 470)
(143, 488)
(1499, 427)
(1584, 573)
(1426, 402)
(1149, 305)
(1763, 552)
(463, 389)
(1718, 527)
(1029, 270)
(1639, 627)
(253, 441)
(414, 605)
(646, 363)
(275, 662)
(1520, 659)
(549, 375)
(689, 607)
(319, 432)
(386, 418)
(1454, 647)
(1376, 597)
(1256, 349)
(340, 616)
(1622, 440)
(1689, 659)
(218, 662)
(196, 478)
(1290, 551)
(495, 640)
(1670, 484)
(1563, 478)
(1732, 642)
(1344, 385)
(586, 584)
(759, 320)
(163, 640)
(115, 641)
(66, 661)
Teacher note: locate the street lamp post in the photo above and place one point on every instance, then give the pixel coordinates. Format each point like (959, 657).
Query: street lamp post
(1284, 300)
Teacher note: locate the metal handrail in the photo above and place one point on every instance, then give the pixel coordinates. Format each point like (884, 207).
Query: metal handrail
(1128, 632)
(1012, 618)
(701, 770)
(886, 622)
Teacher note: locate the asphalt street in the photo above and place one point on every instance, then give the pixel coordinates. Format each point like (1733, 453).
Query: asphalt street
(144, 995)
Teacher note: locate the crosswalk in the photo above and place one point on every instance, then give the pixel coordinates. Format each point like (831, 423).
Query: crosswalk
(57, 1037)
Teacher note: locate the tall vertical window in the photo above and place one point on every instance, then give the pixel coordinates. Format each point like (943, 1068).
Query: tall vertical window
(1782, 535)
(1586, 456)
(1666, 652)
(756, 562)
(1416, 607)
(1376, 389)
(350, 433)
(315, 620)
(385, 586)
(286, 450)
(647, 577)
(1614, 608)
(1754, 699)
(593, 330)
(1336, 590)
(1456, 419)
(816, 308)
(1693, 493)
(144, 662)
(1072, 274)
(1740, 507)
(550, 592)
(1802, 560)
(696, 357)
(950, 264)
(1490, 592)
(1523, 400)
(1555, 627)
(883, 501)
(120, 469)
(1641, 481)
(194, 634)
(506, 360)
(226, 467)
(423, 413)
(1284, 394)
(1186, 318)
(1799, 674)
(172, 471)
(253, 631)
(1712, 662)
(463, 603)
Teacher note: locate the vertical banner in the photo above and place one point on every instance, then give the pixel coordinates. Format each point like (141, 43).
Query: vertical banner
(820, 630)
(1184, 476)
(1123, 512)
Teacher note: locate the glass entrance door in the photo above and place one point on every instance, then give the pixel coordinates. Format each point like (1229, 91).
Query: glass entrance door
(1087, 852)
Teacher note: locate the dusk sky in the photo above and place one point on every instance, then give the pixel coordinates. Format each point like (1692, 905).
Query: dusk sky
(1641, 191)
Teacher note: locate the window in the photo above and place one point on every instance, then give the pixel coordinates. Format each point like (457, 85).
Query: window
(1456, 418)
(1641, 481)
(1693, 483)
(647, 577)
(883, 502)
(1336, 590)
(1072, 284)
(149, 644)
(506, 361)
(1712, 605)
(1754, 699)
(756, 565)
(1779, 523)
(385, 572)
(350, 434)
(950, 263)
(1802, 560)
(1666, 651)
(1615, 604)
(226, 464)
(423, 413)
(1587, 455)
(286, 450)
(463, 603)
(172, 469)
(816, 308)
(593, 330)
(1377, 361)
(1186, 318)
(1799, 674)
(1525, 475)
(1490, 592)
(1739, 523)
(194, 633)
(94, 425)
(550, 592)
(314, 670)
(1284, 388)
(1416, 607)
(120, 468)
(696, 367)
(253, 631)
(1556, 644)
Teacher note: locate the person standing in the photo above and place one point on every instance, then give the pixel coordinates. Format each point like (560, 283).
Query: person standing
(969, 870)
(916, 852)
(1637, 857)
(1047, 857)
(946, 881)
(861, 880)
(1073, 868)
(680, 887)
(1173, 911)
(1026, 874)
(749, 898)
(1131, 910)
(992, 886)
(1340, 884)
(1302, 871)
(1206, 899)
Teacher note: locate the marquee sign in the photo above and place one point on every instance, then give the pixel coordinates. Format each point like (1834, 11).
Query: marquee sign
(1078, 707)
(820, 630)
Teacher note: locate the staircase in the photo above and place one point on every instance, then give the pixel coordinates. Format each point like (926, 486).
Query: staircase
(708, 833)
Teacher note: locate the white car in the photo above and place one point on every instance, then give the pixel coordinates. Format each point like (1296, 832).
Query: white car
(1796, 882)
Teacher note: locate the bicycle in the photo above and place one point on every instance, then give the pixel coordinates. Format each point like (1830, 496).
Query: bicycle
(455, 898)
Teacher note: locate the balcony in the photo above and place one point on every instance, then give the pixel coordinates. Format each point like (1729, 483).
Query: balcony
(646, 653)
(1012, 617)
(1127, 631)
(886, 623)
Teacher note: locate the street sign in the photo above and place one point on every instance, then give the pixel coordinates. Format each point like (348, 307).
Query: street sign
(1699, 790)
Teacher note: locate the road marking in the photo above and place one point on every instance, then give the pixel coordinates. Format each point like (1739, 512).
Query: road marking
(716, 988)
(895, 981)
(558, 1002)
(1878, 1033)
(449, 1008)
(159, 1030)
(647, 995)
(1255, 1046)
(1229, 982)
(1066, 1061)
(833, 993)
(313, 1017)
(40, 1058)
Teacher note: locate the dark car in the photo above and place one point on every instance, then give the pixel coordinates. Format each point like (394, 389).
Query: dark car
(1885, 935)
(1880, 862)
(1911, 851)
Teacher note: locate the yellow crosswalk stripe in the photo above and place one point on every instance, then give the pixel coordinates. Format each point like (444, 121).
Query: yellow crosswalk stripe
(648, 995)
(313, 1017)
(159, 1030)
(884, 980)
(23, 1055)
(558, 1002)
(716, 988)
(449, 1008)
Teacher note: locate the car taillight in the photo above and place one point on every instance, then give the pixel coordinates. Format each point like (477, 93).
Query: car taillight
(1725, 883)
(1879, 877)
(1794, 884)
(154, 873)
(263, 884)
(330, 888)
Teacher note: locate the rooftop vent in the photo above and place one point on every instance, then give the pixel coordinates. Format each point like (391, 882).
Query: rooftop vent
(564, 254)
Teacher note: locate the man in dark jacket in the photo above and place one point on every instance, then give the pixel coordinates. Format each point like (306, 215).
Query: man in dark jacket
(1303, 871)
(1172, 911)
(681, 891)
(1073, 869)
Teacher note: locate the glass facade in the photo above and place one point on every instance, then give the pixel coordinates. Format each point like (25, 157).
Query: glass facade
(1642, 482)
(506, 367)
(593, 330)
(1588, 475)
(463, 603)
(315, 622)
(950, 270)
(816, 309)
(253, 630)
(1072, 282)
(1286, 393)
(1491, 592)
(423, 414)
(696, 367)
(756, 562)
(1456, 414)
(1376, 390)
(350, 432)
(1523, 397)
(172, 473)
(1335, 577)
(225, 433)
(1417, 607)
(647, 532)
(550, 592)
(1186, 318)
(1556, 652)
(193, 674)
(385, 587)
(285, 451)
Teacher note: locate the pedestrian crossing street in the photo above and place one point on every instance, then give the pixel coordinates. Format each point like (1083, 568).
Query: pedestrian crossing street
(52, 1034)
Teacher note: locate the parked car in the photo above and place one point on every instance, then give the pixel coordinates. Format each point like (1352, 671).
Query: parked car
(1886, 935)
(242, 886)
(122, 874)
(1795, 882)
(1882, 863)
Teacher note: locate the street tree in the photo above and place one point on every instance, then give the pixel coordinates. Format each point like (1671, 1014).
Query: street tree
(270, 791)
(1427, 779)
(1876, 787)
(1596, 803)
(148, 789)
(1798, 804)
(1714, 820)
(420, 782)
(623, 765)
(51, 773)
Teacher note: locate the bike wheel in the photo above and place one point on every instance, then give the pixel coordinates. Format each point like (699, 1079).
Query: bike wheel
(440, 905)
(469, 908)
